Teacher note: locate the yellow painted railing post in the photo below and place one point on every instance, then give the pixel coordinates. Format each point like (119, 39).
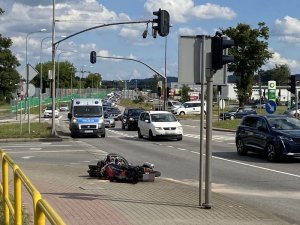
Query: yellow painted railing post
(17, 196)
(5, 189)
(39, 217)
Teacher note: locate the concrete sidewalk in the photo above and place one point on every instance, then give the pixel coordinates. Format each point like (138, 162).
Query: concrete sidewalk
(82, 200)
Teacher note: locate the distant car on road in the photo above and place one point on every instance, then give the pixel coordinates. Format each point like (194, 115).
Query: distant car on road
(48, 112)
(274, 136)
(237, 113)
(64, 108)
(292, 111)
(159, 124)
(130, 118)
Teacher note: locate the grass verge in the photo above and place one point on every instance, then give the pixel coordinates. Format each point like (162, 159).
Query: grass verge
(17, 130)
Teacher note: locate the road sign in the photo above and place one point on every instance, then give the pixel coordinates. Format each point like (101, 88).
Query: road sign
(272, 84)
(271, 106)
(32, 73)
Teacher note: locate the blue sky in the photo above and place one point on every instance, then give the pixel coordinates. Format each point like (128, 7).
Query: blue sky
(188, 17)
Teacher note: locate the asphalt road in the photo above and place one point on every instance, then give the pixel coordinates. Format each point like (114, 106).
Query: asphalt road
(271, 187)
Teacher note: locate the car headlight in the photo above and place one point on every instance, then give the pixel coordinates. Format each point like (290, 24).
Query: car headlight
(179, 128)
(158, 128)
(285, 138)
(74, 120)
(131, 119)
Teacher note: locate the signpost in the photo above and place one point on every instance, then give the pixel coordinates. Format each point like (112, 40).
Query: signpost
(271, 106)
(272, 90)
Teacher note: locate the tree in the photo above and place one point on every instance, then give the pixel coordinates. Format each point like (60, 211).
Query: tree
(185, 93)
(9, 77)
(250, 53)
(93, 80)
(280, 74)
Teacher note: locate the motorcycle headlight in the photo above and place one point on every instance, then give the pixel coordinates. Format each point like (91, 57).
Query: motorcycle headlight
(285, 138)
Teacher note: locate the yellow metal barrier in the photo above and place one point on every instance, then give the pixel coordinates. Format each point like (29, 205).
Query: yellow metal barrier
(41, 207)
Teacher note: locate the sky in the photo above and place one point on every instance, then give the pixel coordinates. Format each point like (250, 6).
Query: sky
(23, 19)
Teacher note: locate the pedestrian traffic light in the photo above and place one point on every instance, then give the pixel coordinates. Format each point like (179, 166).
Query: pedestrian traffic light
(218, 59)
(292, 84)
(163, 22)
(159, 91)
(93, 57)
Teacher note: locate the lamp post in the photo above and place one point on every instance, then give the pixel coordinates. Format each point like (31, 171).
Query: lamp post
(41, 79)
(27, 75)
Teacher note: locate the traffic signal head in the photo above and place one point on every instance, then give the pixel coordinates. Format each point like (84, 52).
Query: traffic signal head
(163, 22)
(93, 57)
(159, 91)
(218, 59)
(292, 84)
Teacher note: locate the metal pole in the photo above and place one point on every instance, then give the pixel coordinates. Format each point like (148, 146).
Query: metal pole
(165, 83)
(209, 101)
(201, 166)
(53, 131)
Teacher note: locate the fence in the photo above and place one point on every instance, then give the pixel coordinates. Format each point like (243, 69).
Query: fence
(41, 207)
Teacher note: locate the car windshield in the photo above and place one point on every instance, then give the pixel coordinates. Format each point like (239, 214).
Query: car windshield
(234, 109)
(288, 123)
(135, 112)
(87, 111)
(163, 118)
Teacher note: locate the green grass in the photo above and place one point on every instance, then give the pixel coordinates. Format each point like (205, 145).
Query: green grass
(13, 130)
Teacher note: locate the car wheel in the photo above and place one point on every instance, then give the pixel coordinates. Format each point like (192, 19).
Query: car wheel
(151, 137)
(271, 153)
(139, 133)
(179, 139)
(231, 117)
(103, 135)
(182, 113)
(240, 147)
(128, 127)
(123, 126)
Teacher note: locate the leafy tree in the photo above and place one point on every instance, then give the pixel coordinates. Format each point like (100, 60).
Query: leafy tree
(93, 80)
(280, 74)
(250, 53)
(185, 93)
(9, 77)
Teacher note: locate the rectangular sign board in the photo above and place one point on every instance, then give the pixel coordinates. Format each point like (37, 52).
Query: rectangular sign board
(191, 50)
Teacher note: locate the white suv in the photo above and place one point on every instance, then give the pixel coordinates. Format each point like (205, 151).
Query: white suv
(159, 124)
(191, 107)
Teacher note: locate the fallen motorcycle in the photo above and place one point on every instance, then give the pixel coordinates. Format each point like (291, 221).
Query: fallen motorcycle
(115, 167)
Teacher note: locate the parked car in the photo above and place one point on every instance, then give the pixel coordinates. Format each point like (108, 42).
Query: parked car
(190, 107)
(130, 118)
(237, 113)
(292, 111)
(48, 112)
(159, 124)
(275, 136)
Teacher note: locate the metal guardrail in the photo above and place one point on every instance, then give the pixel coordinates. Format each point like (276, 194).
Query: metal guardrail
(41, 207)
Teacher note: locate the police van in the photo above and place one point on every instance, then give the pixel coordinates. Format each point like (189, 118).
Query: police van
(86, 117)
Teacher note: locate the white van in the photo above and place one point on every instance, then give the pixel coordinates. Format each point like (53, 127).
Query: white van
(191, 107)
(86, 117)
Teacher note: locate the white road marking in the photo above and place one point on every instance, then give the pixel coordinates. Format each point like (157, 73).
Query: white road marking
(27, 157)
(35, 149)
(56, 151)
(257, 167)
(195, 152)
(181, 149)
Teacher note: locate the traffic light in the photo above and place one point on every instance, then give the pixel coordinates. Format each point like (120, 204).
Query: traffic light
(168, 92)
(159, 91)
(93, 57)
(218, 59)
(292, 84)
(163, 22)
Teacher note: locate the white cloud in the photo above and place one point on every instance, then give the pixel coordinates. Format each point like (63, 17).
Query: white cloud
(288, 30)
(190, 31)
(182, 10)
(277, 59)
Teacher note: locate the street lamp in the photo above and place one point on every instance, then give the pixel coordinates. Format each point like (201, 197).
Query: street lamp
(41, 79)
(27, 74)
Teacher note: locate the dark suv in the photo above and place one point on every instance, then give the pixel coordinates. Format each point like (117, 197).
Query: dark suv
(237, 113)
(130, 118)
(274, 136)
